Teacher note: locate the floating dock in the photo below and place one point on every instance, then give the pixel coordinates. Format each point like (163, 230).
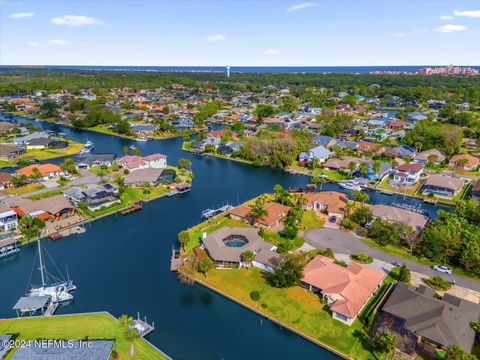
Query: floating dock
(142, 327)
(175, 261)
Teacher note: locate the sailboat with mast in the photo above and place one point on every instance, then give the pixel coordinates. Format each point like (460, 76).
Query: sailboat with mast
(58, 289)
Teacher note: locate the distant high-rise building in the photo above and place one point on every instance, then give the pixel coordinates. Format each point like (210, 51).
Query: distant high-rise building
(228, 71)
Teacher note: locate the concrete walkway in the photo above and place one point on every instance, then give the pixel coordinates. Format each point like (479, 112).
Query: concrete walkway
(343, 242)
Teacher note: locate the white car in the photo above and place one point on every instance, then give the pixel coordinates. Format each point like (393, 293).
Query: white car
(442, 269)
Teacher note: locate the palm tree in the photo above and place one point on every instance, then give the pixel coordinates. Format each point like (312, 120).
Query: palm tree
(351, 167)
(455, 352)
(376, 166)
(359, 196)
(132, 335)
(257, 211)
(125, 150)
(388, 342)
(185, 164)
(248, 257)
(363, 168)
(317, 180)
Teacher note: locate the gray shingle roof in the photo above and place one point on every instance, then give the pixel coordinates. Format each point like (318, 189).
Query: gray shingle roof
(445, 321)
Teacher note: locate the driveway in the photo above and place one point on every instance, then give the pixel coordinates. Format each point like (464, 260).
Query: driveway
(346, 243)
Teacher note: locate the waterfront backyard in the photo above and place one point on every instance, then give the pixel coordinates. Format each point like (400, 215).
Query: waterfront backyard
(94, 326)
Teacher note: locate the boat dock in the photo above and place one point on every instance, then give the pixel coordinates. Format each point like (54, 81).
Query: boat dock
(211, 213)
(175, 260)
(142, 326)
(430, 201)
(133, 208)
(51, 308)
(180, 189)
(56, 236)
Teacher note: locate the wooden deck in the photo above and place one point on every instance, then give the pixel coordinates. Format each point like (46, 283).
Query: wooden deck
(135, 207)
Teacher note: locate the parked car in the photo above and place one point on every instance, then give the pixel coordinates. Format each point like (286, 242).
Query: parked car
(332, 219)
(442, 269)
(395, 263)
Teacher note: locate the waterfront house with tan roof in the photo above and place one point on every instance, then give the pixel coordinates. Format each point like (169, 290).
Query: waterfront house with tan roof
(273, 220)
(226, 246)
(442, 185)
(331, 202)
(395, 214)
(346, 289)
(465, 162)
(426, 323)
(341, 164)
(9, 152)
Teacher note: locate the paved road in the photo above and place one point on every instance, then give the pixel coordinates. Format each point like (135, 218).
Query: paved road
(346, 243)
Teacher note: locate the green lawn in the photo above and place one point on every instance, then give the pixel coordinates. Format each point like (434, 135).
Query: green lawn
(45, 154)
(331, 174)
(45, 195)
(310, 221)
(275, 238)
(25, 189)
(384, 185)
(77, 327)
(295, 307)
(105, 130)
(195, 233)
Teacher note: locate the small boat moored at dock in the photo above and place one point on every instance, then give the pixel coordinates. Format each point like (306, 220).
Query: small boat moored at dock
(351, 185)
(180, 189)
(210, 213)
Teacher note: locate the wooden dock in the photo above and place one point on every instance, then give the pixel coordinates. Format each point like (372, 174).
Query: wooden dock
(133, 208)
(430, 201)
(175, 261)
(56, 236)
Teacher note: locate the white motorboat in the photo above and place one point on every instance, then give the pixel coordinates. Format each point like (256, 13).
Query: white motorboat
(132, 147)
(351, 185)
(142, 139)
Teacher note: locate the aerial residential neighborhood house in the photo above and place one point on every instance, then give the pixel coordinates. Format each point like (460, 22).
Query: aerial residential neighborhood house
(346, 289)
(319, 153)
(326, 141)
(398, 215)
(408, 174)
(47, 171)
(8, 221)
(400, 151)
(442, 185)
(272, 220)
(226, 246)
(92, 160)
(6, 126)
(134, 162)
(341, 164)
(9, 152)
(44, 209)
(152, 176)
(433, 155)
(429, 324)
(476, 191)
(465, 162)
(95, 197)
(333, 203)
(5, 180)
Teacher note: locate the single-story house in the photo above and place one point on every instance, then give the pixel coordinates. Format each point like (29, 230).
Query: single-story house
(319, 152)
(92, 160)
(476, 191)
(273, 219)
(39, 143)
(466, 162)
(331, 202)
(432, 155)
(53, 206)
(400, 151)
(390, 213)
(347, 144)
(326, 141)
(432, 325)
(143, 128)
(408, 173)
(6, 126)
(226, 246)
(346, 289)
(46, 170)
(9, 152)
(442, 185)
(341, 164)
(366, 146)
(23, 140)
(95, 197)
(8, 221)
(5, 180)
(152, 176)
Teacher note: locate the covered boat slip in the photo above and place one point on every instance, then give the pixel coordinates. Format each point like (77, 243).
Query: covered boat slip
(8, 246)
(31, 304)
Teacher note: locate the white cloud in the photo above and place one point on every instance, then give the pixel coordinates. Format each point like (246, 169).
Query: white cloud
(446, 17)
(58, 42)
(271, 52)
(450, 28)
(75, 20)
(398, 35)
(300, 7)
(214, 38)
(33, 43)
(467, 13)
(21, 15)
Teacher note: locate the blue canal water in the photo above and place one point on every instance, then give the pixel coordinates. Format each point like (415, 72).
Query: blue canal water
(121, 264)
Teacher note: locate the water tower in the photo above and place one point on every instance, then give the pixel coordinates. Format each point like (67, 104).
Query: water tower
(228, 70)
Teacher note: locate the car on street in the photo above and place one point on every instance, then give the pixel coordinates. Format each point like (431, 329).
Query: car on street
(442, 269)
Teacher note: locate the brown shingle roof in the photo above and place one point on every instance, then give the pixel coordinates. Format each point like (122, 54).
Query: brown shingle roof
(275, 213)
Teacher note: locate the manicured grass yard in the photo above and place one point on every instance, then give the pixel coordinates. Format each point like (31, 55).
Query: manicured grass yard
(384, 185)
(310, 221)
(294, 306)
(45, 154)
(76, 327)
(25, 189)
(331, 174)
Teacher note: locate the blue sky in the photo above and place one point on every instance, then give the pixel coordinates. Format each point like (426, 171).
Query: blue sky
(239, 33)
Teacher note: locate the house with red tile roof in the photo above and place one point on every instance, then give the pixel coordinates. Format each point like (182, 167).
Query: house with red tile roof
(346, 289)
(408, 174)
(135, 162)
(47, 171)
(272, 220)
